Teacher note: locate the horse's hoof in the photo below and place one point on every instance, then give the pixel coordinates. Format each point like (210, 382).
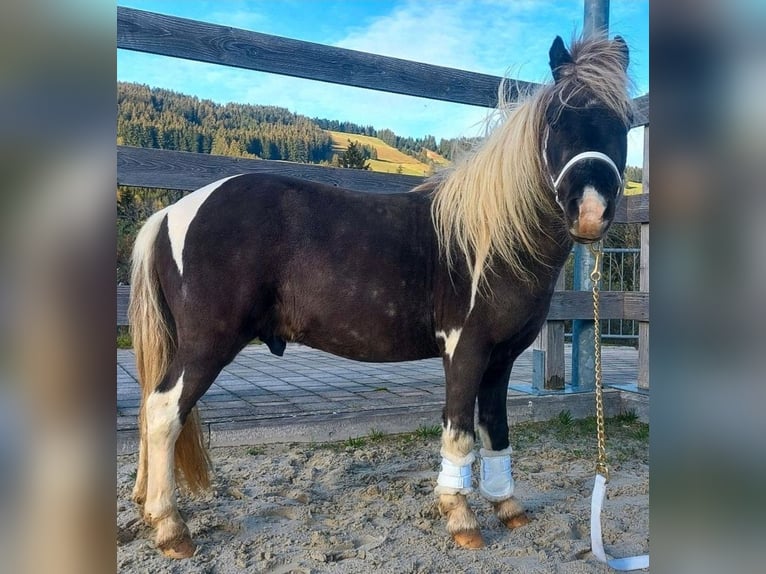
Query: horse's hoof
(179, 549)
(517, 521)
(468, 539)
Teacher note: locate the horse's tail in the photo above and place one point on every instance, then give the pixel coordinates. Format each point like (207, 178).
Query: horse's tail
(154, 342)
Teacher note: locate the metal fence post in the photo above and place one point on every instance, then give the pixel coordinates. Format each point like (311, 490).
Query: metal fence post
(595, 23)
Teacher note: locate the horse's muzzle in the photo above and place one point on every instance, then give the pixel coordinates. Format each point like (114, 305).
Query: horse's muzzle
(590, 224)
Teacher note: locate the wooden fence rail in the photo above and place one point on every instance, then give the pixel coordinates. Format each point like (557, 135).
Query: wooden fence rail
(172, 36)
(145, 167)
(565, 305)
(164, 35)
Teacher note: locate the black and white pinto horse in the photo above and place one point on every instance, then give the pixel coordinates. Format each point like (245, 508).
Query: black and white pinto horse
(462, 267)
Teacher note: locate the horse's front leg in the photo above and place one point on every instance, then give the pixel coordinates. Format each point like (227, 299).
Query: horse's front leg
(496, 481)
(463, 369)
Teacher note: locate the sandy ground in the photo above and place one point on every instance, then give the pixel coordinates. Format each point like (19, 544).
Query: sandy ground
(370, 507)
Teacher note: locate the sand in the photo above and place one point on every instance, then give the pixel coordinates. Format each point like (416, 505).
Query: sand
(353, 507)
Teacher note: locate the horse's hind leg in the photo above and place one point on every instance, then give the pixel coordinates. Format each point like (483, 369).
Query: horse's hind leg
(162, 428)
(167, 408)
(139, 489)
(496, 481)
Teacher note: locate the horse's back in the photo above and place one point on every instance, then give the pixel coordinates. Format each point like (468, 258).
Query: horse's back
(286, 259)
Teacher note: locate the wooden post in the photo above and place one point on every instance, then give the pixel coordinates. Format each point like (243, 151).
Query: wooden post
(595, 23)
(643, 284)
(548, 371)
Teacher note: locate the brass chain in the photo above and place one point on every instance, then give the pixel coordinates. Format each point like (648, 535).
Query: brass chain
(595, 277)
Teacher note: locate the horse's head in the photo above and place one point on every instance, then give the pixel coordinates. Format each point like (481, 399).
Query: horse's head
(585, 137)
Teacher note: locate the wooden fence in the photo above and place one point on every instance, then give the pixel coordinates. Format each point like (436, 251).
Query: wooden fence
(201, 41)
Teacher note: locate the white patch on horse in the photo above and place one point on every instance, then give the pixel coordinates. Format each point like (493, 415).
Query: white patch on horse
(591, 195)
(475, 276)
(456, 444)
(450, 341)
(589, 221)
(182, 213)
(163, 426)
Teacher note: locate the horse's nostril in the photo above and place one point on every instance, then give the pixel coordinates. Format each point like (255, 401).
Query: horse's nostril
(573, 208)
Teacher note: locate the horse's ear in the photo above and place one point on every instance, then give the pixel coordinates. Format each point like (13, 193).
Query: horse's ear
(559, 56)
(623, 47)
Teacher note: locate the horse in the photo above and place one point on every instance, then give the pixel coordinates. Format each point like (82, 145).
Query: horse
(462, 267)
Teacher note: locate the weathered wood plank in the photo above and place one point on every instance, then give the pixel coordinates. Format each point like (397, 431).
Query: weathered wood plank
(165, 35)
(638, 208)
(632, 209)
(641, 111)
(123, 298)
(565, 305)
(204, 42)
(550, 375)
(187, 171)
(643, 281)
(636, 306)
(579, 305)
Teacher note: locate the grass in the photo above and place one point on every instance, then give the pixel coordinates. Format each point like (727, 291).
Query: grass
(124, 340)
(641, 432)
(564, 418)
(355, 442)
(376, 435)
(626, 417)
(624, 432)
(627, 438)
(428, 431)
(633, 188)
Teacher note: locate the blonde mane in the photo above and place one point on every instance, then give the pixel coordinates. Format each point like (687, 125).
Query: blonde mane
(497, 201)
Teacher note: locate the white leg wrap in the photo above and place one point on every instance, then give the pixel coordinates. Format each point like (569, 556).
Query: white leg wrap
(496, 482)
(455, 475)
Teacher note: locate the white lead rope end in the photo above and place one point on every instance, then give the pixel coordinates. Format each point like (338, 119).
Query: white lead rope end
(596, 539)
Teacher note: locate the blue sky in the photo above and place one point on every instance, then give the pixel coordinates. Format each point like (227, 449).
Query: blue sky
(500, 37)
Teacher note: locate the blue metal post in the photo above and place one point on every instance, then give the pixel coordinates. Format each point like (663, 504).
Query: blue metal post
(595, 23)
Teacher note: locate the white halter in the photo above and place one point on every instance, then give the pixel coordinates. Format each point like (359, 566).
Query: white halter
(556, 181)
(583, 156)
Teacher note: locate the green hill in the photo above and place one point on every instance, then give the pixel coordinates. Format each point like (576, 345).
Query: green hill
(633, 188)
(388, 159)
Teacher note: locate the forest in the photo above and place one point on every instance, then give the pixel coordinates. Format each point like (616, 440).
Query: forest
(159, 118)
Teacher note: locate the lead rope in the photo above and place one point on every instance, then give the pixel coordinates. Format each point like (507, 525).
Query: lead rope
(602, 470)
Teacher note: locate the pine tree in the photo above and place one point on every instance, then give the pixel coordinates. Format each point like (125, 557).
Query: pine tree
(353, 157)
